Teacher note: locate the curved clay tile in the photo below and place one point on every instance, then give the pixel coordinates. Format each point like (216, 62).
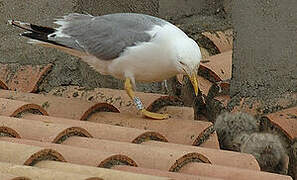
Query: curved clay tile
(156, 172)
(3, 85)
(79, 109)
(204, 85)
(178, 112)
(40, 131)
(83, 156)
(159, 158)
(187, 159)
(218, 68)
(24, 78)
(181, 131)
(223, 40)
(115, 160)
(149, 136)
(95, 171)
(218, 157)
(285, 121)
(163, 101)
(230, 173)
(59, 106)
(117, 98)
(8, 132)
(211, 141)
(100, 107)
(204, 136)
(26, 154)
(109, 132)
(120, 99)
(157, 104)
(15, 108)
(42, 174)
(5, 176)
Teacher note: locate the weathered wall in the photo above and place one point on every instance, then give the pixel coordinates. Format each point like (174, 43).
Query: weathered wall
(265, 51)
(193, 16)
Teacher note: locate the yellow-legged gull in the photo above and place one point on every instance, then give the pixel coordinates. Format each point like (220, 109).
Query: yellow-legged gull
(128, 46)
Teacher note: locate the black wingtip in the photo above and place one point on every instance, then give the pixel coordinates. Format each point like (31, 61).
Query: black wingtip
(42, 29)
(40, 37)
(31, 27)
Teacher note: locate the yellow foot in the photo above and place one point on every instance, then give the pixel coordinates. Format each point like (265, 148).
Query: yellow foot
(155, 116)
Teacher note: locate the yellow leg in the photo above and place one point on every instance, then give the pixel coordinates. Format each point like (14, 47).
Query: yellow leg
(138, 103)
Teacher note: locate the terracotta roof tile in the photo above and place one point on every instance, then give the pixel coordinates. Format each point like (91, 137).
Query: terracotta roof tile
(178, 112)
(23, 78)
(5, 176)
(212, 142)
(26, 154)
(285, 120)
(175, 130)
(204, 85)
(8, 132)
(162, 159)
(103, 131)
(119, 98)
(71, 154)
(156, 172)
(42, 174)
(218, 157)
(80, 109)
(3, 85)
(47, 131)
(218, 68)
(58, 106)
(223, 40)
(112, 134)
(106, 174)
(17, 108)
(41, 131)
(166, 152)
(229, 173)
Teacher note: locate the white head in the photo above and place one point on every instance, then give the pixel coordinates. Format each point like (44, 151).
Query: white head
(188, 58)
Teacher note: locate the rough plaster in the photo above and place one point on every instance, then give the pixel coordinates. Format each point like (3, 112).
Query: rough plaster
(265, 51)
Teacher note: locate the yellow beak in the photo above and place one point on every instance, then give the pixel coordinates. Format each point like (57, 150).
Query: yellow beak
(194, 82)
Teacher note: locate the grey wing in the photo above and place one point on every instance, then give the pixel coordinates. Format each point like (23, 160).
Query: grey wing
(105, 37)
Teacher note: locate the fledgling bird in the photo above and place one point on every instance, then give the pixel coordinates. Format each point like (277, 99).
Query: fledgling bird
(128, 46)
(268, 150)
(230, 125)
(241, 132)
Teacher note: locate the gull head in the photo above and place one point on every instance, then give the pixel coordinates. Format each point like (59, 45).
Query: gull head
(188, 58)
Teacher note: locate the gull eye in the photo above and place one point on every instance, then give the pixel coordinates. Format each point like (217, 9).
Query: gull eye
(182, 63)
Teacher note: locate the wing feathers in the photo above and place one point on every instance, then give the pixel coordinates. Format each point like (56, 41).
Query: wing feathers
(40, 35)
(32, 27)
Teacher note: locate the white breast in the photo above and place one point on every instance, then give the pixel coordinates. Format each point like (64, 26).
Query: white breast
(150, 61)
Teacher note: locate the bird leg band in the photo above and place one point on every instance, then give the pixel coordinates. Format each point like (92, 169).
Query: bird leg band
(138, 103)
